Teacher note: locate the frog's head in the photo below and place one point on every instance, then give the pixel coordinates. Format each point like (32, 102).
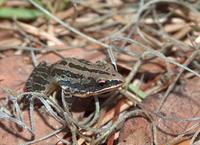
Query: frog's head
(104, 78)
(82, 78)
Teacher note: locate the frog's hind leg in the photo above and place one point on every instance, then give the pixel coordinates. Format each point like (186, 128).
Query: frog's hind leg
(38, 78)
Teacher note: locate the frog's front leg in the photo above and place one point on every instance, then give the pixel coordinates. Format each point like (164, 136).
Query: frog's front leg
(67, 100)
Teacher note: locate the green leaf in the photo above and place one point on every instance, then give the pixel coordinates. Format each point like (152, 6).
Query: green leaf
(19, 13)
(2, 1)
(137, 91)
(66, 1)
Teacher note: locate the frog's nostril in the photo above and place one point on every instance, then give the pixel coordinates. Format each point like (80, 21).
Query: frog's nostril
(114, 75)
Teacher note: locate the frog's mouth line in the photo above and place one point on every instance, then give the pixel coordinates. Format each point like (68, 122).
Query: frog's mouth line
(88, 94)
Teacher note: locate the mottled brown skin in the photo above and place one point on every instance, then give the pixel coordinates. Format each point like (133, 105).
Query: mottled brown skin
(76, 77)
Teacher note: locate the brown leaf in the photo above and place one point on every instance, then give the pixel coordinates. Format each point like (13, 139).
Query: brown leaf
(184, 102)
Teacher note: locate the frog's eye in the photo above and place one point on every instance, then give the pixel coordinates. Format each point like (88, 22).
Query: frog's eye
(101, 82)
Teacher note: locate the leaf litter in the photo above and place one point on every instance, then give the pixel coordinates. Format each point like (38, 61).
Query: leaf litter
(156, 45)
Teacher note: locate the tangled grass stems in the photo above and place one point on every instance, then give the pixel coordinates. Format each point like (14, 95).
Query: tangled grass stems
(154, 2)
(49, 103)
(96, 114)
(123, 117)
(68, 26)
(62, 140)
(44, 138)
(171, 87)
(151, 51)
(187, 134)
(7, 116)
(68, 120)
(15, 107)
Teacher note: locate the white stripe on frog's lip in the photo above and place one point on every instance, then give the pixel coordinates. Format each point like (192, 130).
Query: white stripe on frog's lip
(88, 94)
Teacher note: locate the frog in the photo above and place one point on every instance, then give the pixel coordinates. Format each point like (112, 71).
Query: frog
(76, 77)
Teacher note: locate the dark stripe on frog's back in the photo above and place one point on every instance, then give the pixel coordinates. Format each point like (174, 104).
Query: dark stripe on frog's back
(87, 69)
(80, 66)
(38, 78)
(84, 61)
(63, 73)
(66, 61)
